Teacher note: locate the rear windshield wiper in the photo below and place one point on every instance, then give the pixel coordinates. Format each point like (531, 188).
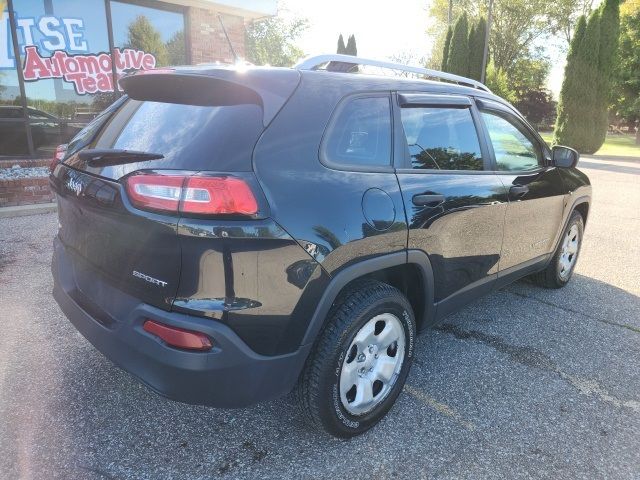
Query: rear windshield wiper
(104, 157)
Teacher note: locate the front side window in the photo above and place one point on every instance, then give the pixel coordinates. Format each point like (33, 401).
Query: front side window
(442, 138)
(360, 134)
(513, 148)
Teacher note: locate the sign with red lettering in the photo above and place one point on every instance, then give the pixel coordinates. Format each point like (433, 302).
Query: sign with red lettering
(90, 73)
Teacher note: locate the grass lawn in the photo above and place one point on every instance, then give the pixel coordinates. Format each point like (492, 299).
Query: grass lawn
(617, 145)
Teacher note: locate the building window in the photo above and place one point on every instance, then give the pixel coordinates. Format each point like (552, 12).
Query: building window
(159, 32)
(67, 65)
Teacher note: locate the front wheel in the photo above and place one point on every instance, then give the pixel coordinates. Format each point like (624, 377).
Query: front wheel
(360, 362)
(560, 269)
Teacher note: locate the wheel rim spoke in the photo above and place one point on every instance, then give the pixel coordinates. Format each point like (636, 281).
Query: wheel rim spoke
(364, 393)
(569, 251)
(385, 369)
(387, 336)
(349, 376)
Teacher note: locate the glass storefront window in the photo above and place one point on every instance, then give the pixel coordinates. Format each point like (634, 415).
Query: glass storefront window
(159, 32)
(13, 132)
(66, 60)
(61, 42)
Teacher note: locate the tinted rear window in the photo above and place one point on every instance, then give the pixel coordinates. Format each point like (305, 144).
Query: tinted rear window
(190, 137)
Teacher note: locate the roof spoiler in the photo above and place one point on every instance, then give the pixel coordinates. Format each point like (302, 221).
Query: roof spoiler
(215, 87)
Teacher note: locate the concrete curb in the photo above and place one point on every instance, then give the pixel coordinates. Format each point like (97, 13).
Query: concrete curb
(24, 210)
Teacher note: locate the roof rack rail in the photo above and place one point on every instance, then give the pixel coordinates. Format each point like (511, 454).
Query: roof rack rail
(314, 62)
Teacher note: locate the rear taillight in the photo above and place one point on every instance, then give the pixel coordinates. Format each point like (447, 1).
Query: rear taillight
(202, 195)
(59, 154)
(178, 337)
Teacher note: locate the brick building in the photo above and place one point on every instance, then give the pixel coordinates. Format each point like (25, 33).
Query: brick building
(58, 58)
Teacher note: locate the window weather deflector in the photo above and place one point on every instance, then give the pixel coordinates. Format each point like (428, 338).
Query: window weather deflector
(425, 100)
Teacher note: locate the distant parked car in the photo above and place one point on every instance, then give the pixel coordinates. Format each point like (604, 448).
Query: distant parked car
(47, 130)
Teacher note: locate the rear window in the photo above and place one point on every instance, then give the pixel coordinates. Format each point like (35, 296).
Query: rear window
(216, 138)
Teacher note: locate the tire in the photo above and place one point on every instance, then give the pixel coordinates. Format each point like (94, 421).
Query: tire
(560, 269)
(351, 349)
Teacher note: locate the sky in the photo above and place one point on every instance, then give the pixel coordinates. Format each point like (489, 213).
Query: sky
(382, 28)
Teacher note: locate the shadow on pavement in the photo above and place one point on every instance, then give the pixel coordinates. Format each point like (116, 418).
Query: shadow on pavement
(121, 429)
(609, 167)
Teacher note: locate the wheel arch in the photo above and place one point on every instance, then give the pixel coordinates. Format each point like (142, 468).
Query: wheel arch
(582, 207)
(409, 271)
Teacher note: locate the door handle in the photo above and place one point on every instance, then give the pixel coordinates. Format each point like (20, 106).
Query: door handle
(519, 190)
(427, 200)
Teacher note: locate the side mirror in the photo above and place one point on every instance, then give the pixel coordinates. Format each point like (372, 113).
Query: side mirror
(564, 157)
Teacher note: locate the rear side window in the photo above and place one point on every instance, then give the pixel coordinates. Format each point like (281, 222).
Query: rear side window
(441, 138)
(360, 134)
(190, 137)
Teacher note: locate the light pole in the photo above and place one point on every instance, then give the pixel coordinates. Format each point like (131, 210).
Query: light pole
(485, 55)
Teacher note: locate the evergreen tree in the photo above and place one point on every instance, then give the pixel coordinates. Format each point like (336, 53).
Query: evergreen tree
(352, 49)
(458, 59)
(445, 52)
(176, 49)
(341, 48)
(141, 35)
(577, 109)
(609, 37)
(476, 48)
(583, 110)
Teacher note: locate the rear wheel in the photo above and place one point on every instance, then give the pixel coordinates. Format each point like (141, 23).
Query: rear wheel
(360, 362)
(560, 269)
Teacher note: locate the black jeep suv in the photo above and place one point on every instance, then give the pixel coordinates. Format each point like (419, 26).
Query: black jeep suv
(230, 235)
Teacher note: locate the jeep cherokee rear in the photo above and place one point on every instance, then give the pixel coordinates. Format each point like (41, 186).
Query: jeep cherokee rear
(293, 229)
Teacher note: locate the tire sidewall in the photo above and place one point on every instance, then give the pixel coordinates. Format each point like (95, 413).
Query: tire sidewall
(339, 419)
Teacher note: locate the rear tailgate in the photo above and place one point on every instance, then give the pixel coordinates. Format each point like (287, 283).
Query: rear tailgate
(138, 254)
(177, 122)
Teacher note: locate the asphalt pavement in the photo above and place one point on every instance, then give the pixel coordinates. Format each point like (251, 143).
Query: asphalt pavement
(525, 383)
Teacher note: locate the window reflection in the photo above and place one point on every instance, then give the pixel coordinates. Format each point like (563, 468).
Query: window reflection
(442, 138)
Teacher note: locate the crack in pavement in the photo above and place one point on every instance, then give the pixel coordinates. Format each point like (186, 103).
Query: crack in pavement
(567, 309)
(531, 357)
(439, 407)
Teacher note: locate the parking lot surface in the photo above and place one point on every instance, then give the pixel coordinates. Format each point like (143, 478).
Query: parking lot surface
(525, 383)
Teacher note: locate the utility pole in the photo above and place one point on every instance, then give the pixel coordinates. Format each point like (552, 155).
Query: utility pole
(485, 55)
(450, 12)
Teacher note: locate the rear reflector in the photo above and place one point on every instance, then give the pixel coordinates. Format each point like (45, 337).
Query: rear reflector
(178, 337)
(215, 195)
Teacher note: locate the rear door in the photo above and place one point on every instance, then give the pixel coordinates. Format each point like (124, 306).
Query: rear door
(455, 204)
(521, 161)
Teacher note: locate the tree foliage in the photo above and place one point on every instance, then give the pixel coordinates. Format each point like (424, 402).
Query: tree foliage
(584, 99)
(516, 24)
(176, 50)
(352, 49)
(476, 48)
(458, 58)
(626, 100)
(271, 41)
(341, 48)
(445, 52)
(607, 58)
(142, 35)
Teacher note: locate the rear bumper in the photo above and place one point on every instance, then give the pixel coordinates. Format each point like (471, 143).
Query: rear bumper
(230, 375)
